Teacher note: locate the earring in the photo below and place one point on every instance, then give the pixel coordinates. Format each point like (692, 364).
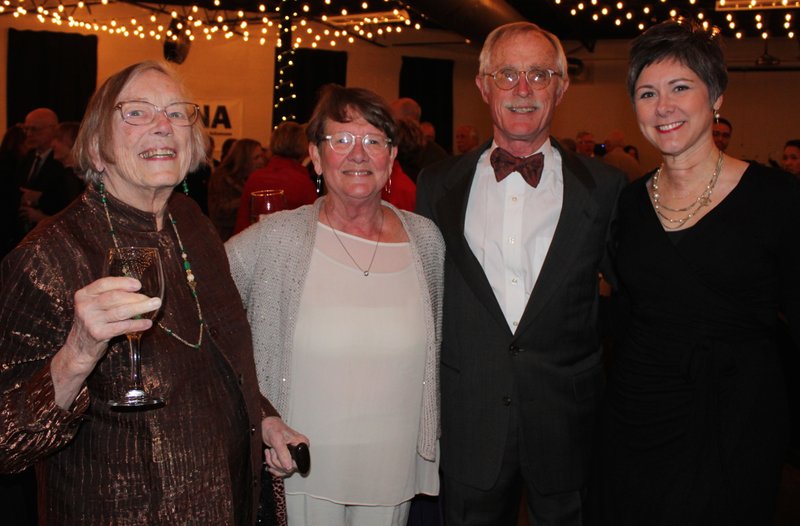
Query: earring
(319, 184)
(716, 115)
(388, 187)
(185, 186)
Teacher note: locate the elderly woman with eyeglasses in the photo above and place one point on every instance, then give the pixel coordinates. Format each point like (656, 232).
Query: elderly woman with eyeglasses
(63, 355)
(344, 300)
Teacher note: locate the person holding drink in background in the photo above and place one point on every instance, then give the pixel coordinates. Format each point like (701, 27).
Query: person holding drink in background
(344, 300)
(284, 171)
(195, 456)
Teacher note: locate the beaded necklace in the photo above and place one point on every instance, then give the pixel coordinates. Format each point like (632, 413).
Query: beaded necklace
(704, 199)
(187, 267)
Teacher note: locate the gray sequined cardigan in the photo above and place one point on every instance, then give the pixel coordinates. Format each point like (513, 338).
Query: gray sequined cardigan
(269, 262)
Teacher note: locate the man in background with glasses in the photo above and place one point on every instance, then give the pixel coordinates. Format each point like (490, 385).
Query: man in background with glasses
(526, 226)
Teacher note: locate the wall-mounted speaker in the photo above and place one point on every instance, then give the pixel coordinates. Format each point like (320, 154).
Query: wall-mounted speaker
(176, 50)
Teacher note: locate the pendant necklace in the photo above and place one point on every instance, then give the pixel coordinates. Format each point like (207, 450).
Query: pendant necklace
(702, 200)
(187, 267)
(375, 251)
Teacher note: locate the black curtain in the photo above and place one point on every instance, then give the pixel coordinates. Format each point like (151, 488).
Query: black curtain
(49, 70)
(429, 81)
(312, 69)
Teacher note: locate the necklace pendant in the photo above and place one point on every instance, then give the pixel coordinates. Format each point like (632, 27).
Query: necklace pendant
(366, 273)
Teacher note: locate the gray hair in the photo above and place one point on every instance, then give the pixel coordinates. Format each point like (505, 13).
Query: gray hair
(94, 138)
(516, 28)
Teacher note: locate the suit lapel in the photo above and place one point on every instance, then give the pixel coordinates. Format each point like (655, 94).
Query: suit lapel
(577, 210)
(451, 210)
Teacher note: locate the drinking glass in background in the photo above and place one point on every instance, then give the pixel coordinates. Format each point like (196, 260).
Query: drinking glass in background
(264, 202)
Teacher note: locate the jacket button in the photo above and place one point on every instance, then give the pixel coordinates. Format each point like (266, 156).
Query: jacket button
(513, 349)
(255, 481)
(506, 400)
(252, 430)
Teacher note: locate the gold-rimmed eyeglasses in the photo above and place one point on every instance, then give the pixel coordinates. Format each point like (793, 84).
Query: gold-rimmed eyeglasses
(507, 78)
(344, 142)
(140, 112)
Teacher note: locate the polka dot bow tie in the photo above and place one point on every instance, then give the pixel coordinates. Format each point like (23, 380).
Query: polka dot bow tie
(529, 167)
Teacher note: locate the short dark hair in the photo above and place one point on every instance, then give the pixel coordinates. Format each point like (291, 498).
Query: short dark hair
(342, 104)
(686, 41)
(794, 142)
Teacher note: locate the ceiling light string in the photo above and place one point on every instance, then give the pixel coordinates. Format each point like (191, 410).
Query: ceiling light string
(734, 21)
(210, 23)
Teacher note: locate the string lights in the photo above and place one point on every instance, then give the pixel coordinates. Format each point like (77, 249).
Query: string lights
(737, 18)
(319, 21)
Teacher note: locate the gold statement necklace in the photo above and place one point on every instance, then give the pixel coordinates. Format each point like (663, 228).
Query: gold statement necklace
(374, 251)
(187, 267)
(702, 200)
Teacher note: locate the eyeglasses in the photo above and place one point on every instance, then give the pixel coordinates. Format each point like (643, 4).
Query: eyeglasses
(139, 112)
(344, 142)
(507, 78)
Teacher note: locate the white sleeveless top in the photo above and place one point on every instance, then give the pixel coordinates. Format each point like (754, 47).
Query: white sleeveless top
(357, 371)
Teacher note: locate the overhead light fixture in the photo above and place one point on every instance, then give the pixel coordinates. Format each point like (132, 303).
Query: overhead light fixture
(381, 17)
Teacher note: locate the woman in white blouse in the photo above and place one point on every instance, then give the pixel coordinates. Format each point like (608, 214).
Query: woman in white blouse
(344, 301)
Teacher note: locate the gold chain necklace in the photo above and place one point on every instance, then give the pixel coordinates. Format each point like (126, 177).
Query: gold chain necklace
(187, 267)
(702, 200)
(375, 251)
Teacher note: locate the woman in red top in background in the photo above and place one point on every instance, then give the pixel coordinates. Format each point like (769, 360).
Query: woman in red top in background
(283, 171)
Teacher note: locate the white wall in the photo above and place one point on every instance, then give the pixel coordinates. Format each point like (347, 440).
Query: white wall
(761, 105)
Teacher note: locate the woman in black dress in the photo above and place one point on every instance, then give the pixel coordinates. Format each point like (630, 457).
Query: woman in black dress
(708, 258)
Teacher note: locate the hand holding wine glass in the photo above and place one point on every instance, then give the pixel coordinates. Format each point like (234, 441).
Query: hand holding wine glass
(143, 264)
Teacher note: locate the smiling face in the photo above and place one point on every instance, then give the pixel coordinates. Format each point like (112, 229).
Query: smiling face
(673, 108)
(522, 115)
(149, 159)
(356, 176)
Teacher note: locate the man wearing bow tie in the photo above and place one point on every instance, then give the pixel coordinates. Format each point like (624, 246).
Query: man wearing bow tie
(526, 225)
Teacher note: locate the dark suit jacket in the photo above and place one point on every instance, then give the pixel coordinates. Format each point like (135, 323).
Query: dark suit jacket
(50, 170)
(550, 370)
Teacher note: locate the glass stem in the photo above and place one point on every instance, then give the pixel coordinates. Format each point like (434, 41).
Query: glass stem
(136, 360)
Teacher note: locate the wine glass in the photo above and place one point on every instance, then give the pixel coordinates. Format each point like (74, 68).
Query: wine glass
(144, 264)
(264, 202)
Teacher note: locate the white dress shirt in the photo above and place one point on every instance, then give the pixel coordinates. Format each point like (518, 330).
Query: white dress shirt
(509, 226)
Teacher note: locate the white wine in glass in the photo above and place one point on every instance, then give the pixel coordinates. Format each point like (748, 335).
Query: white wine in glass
(144, 264)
